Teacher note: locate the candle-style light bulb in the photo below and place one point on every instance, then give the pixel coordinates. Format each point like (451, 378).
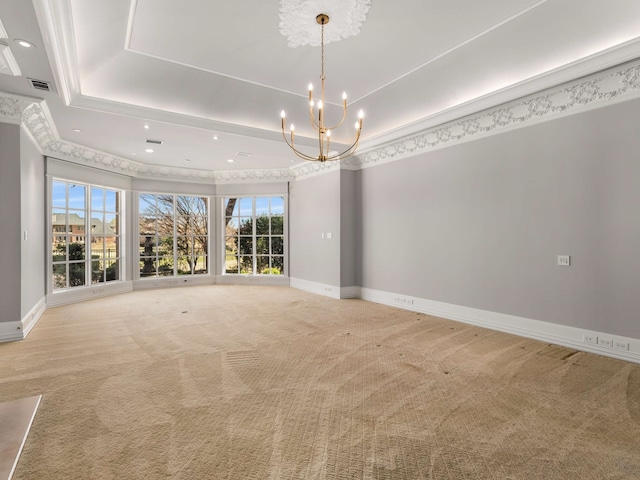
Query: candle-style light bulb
(319, 103)
(360, 114)
(293, 127)
(328, 133)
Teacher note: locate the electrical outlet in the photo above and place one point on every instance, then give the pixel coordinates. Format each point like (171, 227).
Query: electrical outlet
(564, 260)
(590, 339)
(620, 345)
(605, 342)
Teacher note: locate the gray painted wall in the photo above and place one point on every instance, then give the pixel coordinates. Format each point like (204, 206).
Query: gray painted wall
(10, 220)
(480, 224)
(33, 211)
(349, 229)
(314, 209)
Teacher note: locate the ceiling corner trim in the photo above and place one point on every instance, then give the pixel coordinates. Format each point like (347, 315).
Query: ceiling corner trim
(56, 24)
(615, 85)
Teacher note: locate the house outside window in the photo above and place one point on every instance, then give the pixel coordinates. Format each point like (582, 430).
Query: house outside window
(85, 229)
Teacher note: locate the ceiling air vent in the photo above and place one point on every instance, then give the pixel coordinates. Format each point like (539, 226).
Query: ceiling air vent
(154, 142)
(40, 85)
(243, 154)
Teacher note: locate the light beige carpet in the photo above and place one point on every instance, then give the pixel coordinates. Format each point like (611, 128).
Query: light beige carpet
(226, 382)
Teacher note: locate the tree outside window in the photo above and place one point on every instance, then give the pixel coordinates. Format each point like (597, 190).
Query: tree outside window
(174, 237)
(254, 235)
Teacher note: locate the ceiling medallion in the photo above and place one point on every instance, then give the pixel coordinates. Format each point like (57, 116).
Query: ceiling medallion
(297, 20)
(324, 132)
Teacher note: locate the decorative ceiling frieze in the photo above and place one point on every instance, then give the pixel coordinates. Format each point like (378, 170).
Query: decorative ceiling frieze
(605, 88)
(618, 84)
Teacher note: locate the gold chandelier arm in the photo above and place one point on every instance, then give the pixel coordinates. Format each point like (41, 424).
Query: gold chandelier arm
(314, 124)
(297, 152)
(348, 152)
(344, 115)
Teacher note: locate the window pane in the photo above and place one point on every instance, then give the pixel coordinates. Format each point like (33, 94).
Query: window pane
(148, 267)
(262, 206)
(112, 270)
(262, 246)
(165, 246)
(165, 267)
(97, 271)
(232, 225)
(262, 265)
(76, 248)
(165, 225)
(165, 205)
(76, 274)
(147, 205)
(231, 264)
(246, 226)
(246, 206)
(111, 222)
(111, 201)
(185, 266)
(277, 205)
(147, 225)
(200, 246)
(77, 198)
(246, 245)
(277, 245)
(59, 194)
(231, 245)
(59, 276)
(98, 249)
(59, 220)
(59, 248)
(201, 265)
(97, 198)
(262, 225)
(231, 207)
(277, 225)
(277, 265)
(246, 264)
(148, 246)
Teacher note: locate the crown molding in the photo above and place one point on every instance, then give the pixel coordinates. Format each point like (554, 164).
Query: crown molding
(615, 85)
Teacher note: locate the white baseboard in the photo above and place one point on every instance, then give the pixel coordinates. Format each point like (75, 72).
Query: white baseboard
(548, 332)
(267, 280)
(11, 331)
(80, 294)
(18, 330)
(170, 282)
(31, 318)
(315, 287)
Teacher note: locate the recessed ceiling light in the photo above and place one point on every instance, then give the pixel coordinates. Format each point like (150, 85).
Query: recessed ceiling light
(149, 150)
(215, 137)
(77, 130)
(146, 126)
(231, 160)
(24, 43)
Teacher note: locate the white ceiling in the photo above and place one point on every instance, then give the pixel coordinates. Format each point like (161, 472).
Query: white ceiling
(195, 69)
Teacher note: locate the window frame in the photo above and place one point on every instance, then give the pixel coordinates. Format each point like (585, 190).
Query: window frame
(254, 237)
(174, 258)
(83, 232)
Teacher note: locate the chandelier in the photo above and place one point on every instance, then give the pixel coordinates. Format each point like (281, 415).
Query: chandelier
(318, 119)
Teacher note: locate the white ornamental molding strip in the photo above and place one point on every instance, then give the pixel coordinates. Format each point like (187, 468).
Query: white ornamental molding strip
(298, 20)
(601, 89)
(11, 107)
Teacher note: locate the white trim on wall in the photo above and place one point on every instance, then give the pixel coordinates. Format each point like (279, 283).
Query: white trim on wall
(31, 318)
(80, 294)
(525, 327)
(607, 87)
(325, 289)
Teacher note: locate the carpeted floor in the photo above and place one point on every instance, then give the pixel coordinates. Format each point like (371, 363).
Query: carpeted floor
(230, 382)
